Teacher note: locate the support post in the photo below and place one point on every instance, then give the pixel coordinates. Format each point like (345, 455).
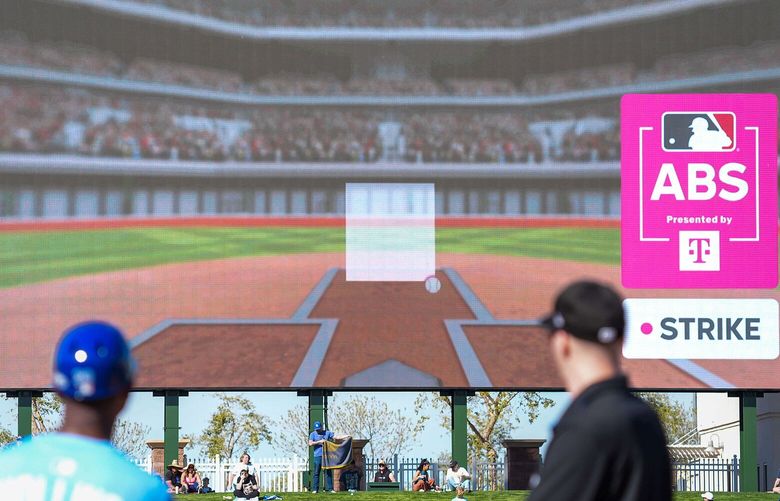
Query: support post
(171, 429)
(318, 411)
(459, 427)
(748, 442)
(24, 418)
(171, 423)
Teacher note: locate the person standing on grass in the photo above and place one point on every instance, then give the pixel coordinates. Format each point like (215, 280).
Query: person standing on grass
(316, 439)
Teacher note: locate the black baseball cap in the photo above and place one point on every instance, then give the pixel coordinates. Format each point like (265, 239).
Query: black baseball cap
(590, 311)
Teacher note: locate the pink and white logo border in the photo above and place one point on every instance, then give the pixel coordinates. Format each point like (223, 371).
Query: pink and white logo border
(650, 256)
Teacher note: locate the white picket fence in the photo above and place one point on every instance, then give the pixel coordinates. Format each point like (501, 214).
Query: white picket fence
(276, 474)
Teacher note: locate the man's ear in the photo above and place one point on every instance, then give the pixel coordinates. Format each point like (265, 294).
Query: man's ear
(561, 342)
(567, 344)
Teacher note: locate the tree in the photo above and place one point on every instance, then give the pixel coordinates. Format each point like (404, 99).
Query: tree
(6, 437)
(676, 418)
(491, 417)
(130, 438)
(233, 428)
(292, 432)
(46, 413)
(388, 431)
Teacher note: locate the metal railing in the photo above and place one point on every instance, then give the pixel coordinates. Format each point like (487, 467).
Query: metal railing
(715, 474)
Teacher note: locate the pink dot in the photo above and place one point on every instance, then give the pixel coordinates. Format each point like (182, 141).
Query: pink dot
(646, 328)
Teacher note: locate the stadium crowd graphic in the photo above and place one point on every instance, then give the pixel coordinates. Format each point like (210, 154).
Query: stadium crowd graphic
(397, 13)
(16, 49)
(45, 120)
(57, 120)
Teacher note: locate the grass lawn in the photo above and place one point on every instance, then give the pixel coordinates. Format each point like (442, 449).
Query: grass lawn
(476, 496)
(28, 257)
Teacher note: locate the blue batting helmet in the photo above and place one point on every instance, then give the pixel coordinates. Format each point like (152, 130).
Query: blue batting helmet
(92, 362)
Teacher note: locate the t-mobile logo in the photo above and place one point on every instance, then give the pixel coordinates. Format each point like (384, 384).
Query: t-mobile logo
(699, 251)
(700, 247)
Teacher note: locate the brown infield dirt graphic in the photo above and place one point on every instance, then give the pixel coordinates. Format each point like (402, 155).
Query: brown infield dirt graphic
(380, 321)
(376, 323)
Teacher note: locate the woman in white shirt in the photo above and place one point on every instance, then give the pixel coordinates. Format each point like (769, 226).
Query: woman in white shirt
(457, 476)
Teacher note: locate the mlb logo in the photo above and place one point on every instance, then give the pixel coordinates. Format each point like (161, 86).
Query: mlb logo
(699, 191)
(708, 131)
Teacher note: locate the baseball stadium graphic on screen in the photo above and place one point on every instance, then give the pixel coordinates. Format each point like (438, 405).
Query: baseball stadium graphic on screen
(264, 207)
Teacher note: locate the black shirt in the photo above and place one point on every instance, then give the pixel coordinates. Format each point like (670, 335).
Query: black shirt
(173, 477)
(608, 446)
(382, 477)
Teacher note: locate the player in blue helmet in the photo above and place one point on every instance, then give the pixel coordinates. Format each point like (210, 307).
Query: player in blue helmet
(93, 373)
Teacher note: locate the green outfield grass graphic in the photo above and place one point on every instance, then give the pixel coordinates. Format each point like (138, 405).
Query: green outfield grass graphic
(37, 256)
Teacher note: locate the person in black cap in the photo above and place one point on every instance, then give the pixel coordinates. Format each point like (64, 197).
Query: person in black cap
(608, 445)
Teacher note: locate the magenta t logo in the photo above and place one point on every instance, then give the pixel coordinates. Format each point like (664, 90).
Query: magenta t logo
(701, 247)
(699, 190)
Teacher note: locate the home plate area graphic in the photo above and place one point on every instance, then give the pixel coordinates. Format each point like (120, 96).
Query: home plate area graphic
(378, 335)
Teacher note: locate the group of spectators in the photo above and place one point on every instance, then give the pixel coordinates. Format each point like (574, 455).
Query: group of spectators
(457, 478)
(169, 72)
(288, 84)
(709, 62)
(589, 147)
(17, 50)
(470, 138)
(75, 121)
(393, 14)
(480, 87)
(187, 480)
(243, 481)
(587, 78)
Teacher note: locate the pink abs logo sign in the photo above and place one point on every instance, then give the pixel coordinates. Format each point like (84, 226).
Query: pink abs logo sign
(699, 190)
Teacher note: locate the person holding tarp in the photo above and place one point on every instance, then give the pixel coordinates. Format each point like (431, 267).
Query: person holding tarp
(337, 454)
(317, 439)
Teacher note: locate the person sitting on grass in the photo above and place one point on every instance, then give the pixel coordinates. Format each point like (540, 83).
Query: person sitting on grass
(457, 476)
(459, 492)
(423, 480)
(776, 487)
(206, 488)
(246, 486)
(244, 463)
(383, 474)
(190, 479)
(173, 478)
